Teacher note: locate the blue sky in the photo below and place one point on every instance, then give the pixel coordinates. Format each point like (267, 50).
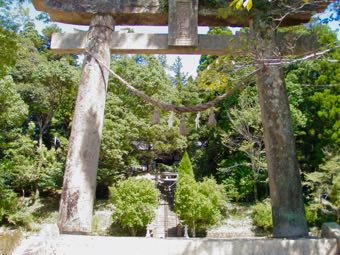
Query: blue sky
(190, 62)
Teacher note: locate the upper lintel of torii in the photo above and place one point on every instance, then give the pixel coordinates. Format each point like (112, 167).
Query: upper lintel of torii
(182, 17)
(152, 12)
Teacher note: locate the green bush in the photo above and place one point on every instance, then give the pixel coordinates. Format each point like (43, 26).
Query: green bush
(8, 203)
(11, 210)
(262, 216)
(135, 201)
(319, 212)
(335, 192)
(312, 214)
(237, 178)
(198, 204)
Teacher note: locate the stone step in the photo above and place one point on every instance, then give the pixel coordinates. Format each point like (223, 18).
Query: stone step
(165, 221)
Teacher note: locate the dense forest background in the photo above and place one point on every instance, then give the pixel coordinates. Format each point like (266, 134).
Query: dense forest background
(37, 96)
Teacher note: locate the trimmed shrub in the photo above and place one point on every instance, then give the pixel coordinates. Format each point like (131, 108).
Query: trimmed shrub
(262, 216)
(198, 204)
(135, 201)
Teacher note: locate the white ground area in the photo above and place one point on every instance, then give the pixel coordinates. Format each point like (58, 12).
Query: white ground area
(48, 242)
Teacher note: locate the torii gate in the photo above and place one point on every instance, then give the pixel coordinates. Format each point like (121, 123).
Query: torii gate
(76, 206)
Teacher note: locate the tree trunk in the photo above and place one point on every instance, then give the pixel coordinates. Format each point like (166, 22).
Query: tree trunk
(42, 126)
(288, 212)
(253, 167)
(256, 198)
(133, 231)
(36, 194)
(76, 205)
(40, 138)
(40, 133)
(193, 230)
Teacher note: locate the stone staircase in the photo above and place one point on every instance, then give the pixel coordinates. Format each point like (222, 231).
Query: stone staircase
(165, 222)
(172, 223)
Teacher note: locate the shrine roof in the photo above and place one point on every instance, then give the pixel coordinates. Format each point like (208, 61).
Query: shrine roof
(152, 12)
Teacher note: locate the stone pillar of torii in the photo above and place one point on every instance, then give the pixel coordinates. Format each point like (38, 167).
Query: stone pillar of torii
(183, 18)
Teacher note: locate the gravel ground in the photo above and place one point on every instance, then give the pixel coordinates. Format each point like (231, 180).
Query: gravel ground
(233, 228)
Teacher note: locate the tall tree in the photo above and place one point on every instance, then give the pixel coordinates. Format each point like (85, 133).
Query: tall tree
(179, 78)
(246, 135)
(47, 86)
(13, 111)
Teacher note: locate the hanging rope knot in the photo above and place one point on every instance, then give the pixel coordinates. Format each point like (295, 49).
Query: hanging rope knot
(182, 126)
(197, 120)
(156, 119)
(212, 119)
(171, 120)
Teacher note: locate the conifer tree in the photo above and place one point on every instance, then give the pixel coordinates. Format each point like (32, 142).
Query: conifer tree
(185, 167)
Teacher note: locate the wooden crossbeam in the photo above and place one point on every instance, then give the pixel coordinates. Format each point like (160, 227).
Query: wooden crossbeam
(154, 12)
(139, 43)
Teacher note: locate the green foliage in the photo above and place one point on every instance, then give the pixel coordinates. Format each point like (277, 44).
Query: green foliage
(8, 48)
(30, 169)
(214, 202)
(218, 74)
(12, 14)
(198, 204)
(313, 96)
(320, 211)
(179, 79)
(295, 98)
(13, 109)
(12, 210)
(323, 187)
(29, 32)
(323, 181)
(128, 119)
(185, 167)
(206, 60)
(237, 178)
(328, 111)
(322, 184)
(135, 201)
(8, 203)
(26, 168)
(245, 136)
(239, 4)
(335, 191)
(188, 200)
(313, 99)
(262, 215)
(47, 86)
(311, 214)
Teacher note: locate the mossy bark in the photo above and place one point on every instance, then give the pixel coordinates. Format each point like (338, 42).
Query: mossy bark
(76, 206)
(288, 212)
